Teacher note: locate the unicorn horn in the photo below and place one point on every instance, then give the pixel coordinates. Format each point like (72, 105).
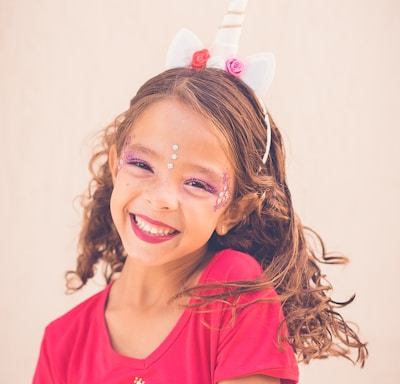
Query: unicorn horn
(226, 42)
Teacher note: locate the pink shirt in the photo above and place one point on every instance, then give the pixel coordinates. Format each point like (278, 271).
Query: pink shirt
(76, 347)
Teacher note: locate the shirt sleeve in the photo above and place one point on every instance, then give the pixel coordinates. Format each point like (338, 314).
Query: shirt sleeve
(248, 344)
(45, 372)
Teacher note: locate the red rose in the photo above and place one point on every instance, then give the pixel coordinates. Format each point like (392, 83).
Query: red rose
(199, 59)
(234, 66)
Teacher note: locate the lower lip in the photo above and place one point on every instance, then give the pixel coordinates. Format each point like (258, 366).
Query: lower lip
(148, 238)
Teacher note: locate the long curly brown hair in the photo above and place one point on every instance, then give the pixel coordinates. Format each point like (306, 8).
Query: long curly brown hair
(272, 233)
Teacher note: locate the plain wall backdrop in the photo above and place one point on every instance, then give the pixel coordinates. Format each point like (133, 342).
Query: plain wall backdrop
(68, 67)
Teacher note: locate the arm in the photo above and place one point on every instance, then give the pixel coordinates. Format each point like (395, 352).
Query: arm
(255, 379)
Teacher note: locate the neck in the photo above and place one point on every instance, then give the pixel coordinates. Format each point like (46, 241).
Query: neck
(149, 287)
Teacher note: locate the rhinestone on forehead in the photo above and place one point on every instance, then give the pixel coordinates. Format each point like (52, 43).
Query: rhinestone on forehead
(174, 156)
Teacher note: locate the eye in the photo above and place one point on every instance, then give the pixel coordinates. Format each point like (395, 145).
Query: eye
(196, 183)
(136, 162)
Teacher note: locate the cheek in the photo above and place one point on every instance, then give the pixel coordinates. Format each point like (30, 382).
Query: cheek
(207, 216)
(113, 207)
(127, 179)
(120, 194)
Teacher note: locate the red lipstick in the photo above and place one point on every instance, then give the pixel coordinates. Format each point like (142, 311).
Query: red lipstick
(164, 232)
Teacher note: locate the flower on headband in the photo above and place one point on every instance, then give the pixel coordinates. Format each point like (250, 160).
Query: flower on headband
(234, 66)
(199, 59)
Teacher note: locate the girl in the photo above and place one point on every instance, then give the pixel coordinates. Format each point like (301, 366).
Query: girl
(211, 275)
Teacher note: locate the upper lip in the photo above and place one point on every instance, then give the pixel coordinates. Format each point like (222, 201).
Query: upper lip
(155, 222)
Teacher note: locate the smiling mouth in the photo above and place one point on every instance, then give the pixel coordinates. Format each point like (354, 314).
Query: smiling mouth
(153, 229)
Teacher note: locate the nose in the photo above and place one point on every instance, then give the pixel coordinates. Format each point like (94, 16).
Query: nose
(163, 195)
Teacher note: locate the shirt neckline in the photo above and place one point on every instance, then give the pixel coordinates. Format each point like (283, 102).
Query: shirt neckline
(136, 363)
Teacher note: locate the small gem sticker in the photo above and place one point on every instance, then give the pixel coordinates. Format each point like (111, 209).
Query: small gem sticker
(174, 156)
(224, 195)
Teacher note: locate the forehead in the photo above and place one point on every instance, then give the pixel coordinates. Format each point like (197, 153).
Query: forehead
(169, 123)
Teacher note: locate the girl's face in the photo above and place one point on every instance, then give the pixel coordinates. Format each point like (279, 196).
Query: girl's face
(172, 185)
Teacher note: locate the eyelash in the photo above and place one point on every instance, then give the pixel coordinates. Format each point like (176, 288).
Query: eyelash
(201, 185)
(138, 163)
(193, 182)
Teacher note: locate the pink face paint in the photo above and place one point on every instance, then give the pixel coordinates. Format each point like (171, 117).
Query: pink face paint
(224, 195)
(123, 157)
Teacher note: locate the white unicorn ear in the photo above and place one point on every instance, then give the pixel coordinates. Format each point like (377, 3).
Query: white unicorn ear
(259, 72)
(181, 49)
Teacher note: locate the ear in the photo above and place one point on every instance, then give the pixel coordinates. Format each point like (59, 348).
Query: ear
(113, 162)
(236, 212)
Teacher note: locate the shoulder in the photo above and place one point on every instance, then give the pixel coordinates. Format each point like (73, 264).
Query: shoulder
(250, 329)
(72, 337)
(231, 265)
(75, 320)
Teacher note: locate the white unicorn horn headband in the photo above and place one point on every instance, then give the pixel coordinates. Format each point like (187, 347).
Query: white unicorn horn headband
(257, 71)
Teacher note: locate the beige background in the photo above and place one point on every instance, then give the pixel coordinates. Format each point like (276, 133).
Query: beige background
(68, 67)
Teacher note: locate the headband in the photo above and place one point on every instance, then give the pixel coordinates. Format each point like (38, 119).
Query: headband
(257, 71)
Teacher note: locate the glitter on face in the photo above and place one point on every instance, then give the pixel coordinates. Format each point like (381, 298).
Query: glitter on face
(122, 160)
(224, 195)
(120, 164)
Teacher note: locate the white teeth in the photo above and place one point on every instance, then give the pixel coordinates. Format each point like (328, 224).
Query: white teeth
(146, 227)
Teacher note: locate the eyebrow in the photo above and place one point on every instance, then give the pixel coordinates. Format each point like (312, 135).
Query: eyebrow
(208, 172)
(204, 170)
(140, 148)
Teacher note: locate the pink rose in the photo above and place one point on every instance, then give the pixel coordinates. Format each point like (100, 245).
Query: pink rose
(199, 59)
(234, 66)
